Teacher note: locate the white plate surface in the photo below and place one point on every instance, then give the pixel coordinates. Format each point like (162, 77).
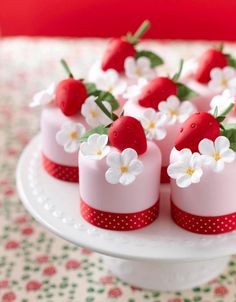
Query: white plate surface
(55, 204)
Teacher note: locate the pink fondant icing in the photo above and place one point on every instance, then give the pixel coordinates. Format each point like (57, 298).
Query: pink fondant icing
(139, 195)
(51, 120)
(132, 108)
(214, 195)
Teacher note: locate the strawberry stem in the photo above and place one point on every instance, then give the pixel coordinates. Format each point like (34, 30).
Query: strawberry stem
(178, 73)
(221, 47)
(134, 39)
(141, 30)
(67, 69)
(227, 110)
(111, 115)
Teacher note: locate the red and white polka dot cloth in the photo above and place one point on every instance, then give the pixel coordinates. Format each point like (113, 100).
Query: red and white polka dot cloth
(65, 173)
(203, 224)
(119, 221)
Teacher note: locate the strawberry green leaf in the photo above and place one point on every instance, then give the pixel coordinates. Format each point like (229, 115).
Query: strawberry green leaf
(101, 129)
(106, 96)
(229, 131)
(231, 60)
(154, 59)
(91, 88)
(184, 92)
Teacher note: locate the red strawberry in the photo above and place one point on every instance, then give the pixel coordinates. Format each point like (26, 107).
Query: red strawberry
(70, 96)
(157, 90)
(127, 132)
(210, 59)
(197, 127)
(117, 51)
(121, 48)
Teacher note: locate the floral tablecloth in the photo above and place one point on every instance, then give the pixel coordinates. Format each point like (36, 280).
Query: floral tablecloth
(35, 265)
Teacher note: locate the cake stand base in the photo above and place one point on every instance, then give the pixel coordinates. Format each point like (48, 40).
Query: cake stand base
(161, 257)
(163, 275)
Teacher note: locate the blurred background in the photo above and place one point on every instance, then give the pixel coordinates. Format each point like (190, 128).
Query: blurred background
(171, 19)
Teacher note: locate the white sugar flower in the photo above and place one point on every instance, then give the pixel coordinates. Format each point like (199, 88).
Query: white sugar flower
(44, 97)
(153, 123)
(186, 169)
(176, 110)
(69, 136)
(222, 101)
(94, 116)
(124, 167)
(216, 154)
(139, 68)
(134, 91)
(111, 82)
(96, 146)
(223, 78)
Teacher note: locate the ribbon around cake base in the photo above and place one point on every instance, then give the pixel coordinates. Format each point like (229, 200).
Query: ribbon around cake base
(65, 173)
(207, 225)
(119, 221)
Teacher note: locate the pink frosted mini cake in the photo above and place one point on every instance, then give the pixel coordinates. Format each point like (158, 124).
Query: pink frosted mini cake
(161, 111)
(119, 177)
(203, 168)
(209, 75)
(123, 64)
(69, 109)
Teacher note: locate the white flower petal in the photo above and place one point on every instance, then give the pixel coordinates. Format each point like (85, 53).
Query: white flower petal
(136, 167)
(62, 138)
(218, 166)
(126, 179)
(114, 160)
(71, 146)
(128, 155)
(206, 147)
(197, 176)
(228, 156)
(184, 181)
(216, 74)
(173, 102)
(112, 176)
(222, 144)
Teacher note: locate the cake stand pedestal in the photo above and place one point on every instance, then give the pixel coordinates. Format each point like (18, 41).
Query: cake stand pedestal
(161, 256)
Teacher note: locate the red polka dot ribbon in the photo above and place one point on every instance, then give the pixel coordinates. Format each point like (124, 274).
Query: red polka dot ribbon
(119, 221)
(65, 173)
(165, 178)
(207, 225)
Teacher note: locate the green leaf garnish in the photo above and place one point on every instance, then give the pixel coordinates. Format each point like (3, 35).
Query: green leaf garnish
(101, 129)
(184, 92)
(229, 131)
(91, 88)
(154, 59)
(178, 73)
(231, 60)
(108, 97)
(215, 114)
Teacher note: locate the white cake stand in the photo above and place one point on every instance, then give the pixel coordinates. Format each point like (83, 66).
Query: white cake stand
(161, 256)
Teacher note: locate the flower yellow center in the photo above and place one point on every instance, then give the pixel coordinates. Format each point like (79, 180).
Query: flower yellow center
(124, 169)
(74, 135)
(99, 152)
(224, 83)
(110, 89)
(173, 112)
(151, 125)
(189, 171)
(216, 156)
(138, 71)
(93, 113)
